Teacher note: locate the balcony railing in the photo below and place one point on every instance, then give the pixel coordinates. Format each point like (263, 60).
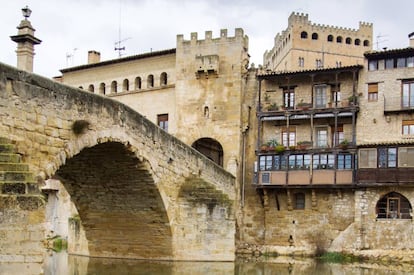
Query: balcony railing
(397, 104)
(385, 176)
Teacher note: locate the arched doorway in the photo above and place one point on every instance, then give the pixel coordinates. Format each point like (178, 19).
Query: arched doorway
(211, 148)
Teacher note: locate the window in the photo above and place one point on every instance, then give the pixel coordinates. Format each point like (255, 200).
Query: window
(344, 161)
(336, 94)
(408, 94)
(339, 39)
(162, 121)
(366, 43)
(389, 63)
(304, 35)
(299, 162)
(321, 137)
(114, 87)
(406, 157)
(314, 36)
(373, 65)
(299, 201)
(338, 64)
(289, 137)
(372, 91)
(138, 83)
(323, 161)
(348, 40)
(320, 96)
(318, 63)
(410, 61)
(401, 62)
(368, 158)
(289, 99)
(393, 206)
(102, 89)
(357, 42)
(91, 88)
(275, 162)
(338, 136)
(301, 62)
(125, 85)
(150, 81)
(408, 127)
(330, 38)
(163, 79)
(387, 157)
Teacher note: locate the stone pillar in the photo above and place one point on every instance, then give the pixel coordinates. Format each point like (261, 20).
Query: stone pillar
(25, 40)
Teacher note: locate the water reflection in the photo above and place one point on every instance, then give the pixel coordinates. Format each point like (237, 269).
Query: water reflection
(62, 264)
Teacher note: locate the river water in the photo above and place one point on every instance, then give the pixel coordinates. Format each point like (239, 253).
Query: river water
(62, 264)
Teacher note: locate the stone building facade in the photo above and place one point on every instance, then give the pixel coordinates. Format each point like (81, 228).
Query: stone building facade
(318, 105)
(304, 45)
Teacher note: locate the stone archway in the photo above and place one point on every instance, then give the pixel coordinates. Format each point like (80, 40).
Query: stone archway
(119, 205)
(211, 148)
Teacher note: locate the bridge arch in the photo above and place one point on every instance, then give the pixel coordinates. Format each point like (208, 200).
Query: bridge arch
(120, 207)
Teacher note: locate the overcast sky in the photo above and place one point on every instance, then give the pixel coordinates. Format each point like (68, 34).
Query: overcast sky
(70, 28)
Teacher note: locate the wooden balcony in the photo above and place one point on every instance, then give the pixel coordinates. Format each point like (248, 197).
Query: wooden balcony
(385, 176)
(305, 178)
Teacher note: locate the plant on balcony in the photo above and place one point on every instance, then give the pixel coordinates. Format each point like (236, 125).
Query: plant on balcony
(273, 107)
(344, 144)
(303, 105)
(280, 149)
(303, 145)
(353, 99)
(292, 147)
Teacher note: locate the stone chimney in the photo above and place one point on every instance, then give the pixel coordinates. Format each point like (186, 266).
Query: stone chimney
(411, 37)
(25, 40)
(94, 57)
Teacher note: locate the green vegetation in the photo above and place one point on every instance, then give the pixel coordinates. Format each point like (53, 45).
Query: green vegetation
(58, 244)
(337, 257)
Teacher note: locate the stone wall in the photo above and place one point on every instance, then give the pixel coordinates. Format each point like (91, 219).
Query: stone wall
(117, 167)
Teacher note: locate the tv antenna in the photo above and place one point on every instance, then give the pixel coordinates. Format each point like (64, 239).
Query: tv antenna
(71, 57)
(118, 46)
(380, 40)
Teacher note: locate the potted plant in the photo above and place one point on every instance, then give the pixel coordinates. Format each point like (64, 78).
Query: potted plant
(273, 107)
(353, 100)
(272, 144)
(344, 144)
(303, 145)
(280, 149)
(302, 105)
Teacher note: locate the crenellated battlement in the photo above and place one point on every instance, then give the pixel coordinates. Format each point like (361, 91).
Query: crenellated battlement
(208, 37)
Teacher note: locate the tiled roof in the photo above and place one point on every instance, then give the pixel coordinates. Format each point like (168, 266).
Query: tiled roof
(405, 141)
(119, 60)
(389, 53)
(320, 70)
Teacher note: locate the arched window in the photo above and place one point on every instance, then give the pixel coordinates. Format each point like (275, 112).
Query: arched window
(81, 87)
(125, 85)
(330, 38)
(138, 83)
(357, 42)
(210, 148)
(304, 35)
(393, 206)
(114, 87)
(150, 81)
(366, 43)
(348, 40)
(163, 79)
(314, 36)
(91, 88)
(102, 89)
(339, 39)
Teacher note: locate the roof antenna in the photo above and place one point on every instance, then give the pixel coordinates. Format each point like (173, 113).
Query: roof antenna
(118, 43)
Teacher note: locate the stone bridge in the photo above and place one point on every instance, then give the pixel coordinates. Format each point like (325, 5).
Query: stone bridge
(139, 192)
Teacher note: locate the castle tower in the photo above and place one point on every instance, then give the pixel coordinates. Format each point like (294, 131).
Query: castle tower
(25, 40)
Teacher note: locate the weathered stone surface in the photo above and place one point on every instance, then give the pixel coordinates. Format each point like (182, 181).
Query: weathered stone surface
(123, 173)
